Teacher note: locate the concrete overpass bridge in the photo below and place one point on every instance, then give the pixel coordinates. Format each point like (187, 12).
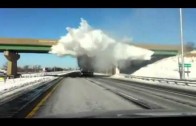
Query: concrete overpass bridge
(13, 46)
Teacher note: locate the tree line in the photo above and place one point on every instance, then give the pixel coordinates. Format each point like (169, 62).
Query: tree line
(36, 68)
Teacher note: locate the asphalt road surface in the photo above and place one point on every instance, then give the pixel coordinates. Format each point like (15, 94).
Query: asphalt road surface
(164, 98)
(74, 95)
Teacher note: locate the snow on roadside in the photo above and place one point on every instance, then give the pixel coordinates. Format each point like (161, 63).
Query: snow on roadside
(190, 87)
(167, 68)
(41, 74)
(28, 79)
(12, 84)
(100, 73)
(117, 76)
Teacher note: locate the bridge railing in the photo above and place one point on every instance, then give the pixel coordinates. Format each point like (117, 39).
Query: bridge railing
(165, 80)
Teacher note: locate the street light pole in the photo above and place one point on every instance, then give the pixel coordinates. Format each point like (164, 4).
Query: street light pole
(182, 50)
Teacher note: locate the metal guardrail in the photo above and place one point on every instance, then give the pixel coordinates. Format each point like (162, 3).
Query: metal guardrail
(167, 80)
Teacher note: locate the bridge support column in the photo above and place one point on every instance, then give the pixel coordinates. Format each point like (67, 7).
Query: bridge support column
(115, 70)
(12, 62)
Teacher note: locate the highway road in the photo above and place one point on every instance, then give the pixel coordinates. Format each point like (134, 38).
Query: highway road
(76, 95)
(154, 97)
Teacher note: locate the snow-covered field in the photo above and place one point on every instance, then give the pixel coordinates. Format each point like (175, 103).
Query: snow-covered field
(167, 68)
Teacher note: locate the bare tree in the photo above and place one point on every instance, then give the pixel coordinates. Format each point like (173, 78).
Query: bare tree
(26, 68)
(39, 67)
(20, 69)
(189, 46)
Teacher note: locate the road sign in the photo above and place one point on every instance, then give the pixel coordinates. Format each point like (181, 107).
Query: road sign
(185, 65)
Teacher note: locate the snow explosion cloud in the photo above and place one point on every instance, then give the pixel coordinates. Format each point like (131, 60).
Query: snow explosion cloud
(86, 40)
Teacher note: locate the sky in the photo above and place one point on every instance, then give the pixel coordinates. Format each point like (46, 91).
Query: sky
(139, 25)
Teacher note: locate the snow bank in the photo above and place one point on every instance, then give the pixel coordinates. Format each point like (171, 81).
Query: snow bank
(26, 82)
(11, 85)
(167, 68)
(190, 87)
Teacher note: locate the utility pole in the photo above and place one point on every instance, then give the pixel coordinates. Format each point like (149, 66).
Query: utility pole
(182, 50)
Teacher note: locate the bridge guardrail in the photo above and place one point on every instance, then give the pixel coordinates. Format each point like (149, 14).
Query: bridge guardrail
(167, 80)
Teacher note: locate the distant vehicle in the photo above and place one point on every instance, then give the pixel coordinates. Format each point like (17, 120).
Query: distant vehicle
(85, 64)
(2, 73)
(86, 73)
(47, 69)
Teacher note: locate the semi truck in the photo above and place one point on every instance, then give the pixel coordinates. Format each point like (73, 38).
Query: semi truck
(86, 65)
